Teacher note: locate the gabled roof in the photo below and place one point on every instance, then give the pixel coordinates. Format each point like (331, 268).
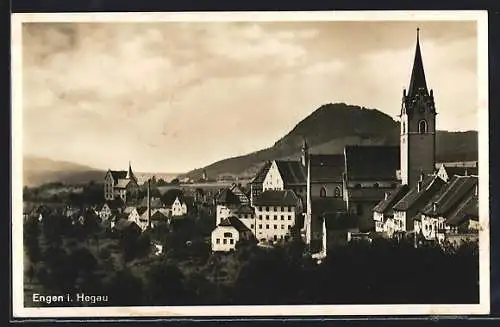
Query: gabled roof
(292, 172)
(239, 193)
(158, 215)
(461, 171)
(236, 223)
(122, 224)
(122, 183)
(141, 210)
(155, 202)
(169, 196)
(226, 196)
(468, 209)
(392, 198)
(450, 195)
(326, 167)
(430, 186)
(320, 206)
(276, 198)
(118, 174)
(371, 162)
(245, 209)
(117, 203)
(261, 174)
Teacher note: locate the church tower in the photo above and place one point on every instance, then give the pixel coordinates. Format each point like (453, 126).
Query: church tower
(418, 125)
(305, 153)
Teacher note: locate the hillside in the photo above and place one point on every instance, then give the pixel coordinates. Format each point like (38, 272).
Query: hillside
(333, 126)
(38, 170)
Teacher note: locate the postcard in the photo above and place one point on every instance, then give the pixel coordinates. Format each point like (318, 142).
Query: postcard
(237, 164)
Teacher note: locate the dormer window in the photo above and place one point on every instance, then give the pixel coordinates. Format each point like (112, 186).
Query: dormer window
(422, 127)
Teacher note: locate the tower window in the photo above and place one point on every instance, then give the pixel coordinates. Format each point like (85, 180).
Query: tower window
(337, 192)
(322, 192)
(422, 127)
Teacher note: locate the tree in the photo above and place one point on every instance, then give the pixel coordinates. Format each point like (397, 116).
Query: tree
(165, 284)
(125, 289)
(175, 181)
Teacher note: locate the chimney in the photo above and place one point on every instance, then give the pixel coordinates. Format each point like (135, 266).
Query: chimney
(386, 195)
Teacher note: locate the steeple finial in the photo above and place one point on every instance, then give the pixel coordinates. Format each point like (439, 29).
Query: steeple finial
(417, 80)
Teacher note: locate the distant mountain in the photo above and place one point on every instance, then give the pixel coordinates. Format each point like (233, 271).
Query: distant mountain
(329, 129)
(37, 170)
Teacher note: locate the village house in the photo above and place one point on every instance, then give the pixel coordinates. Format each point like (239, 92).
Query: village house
(227, 203)
(111, 207)
(276, 212)
(447, 172)
(286, 175)
(177, 202)
(228, 233)
(256, 185)
(121, 184)
(462, 225)
(383, 213)
(431, 221)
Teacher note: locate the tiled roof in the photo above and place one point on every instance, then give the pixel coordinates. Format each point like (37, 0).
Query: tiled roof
(123, 224)
(372, 162)
(118, 174)
(245, 209)
(122, 183)
(141, 210)
(292, 172)
(450, 195)
(236, 223)
(158, 215)
(393, 197)
(155, 202)
(321, 206)
(226, 196)
(240, 194)
(430, 186)
(115, 204)
(467, 210)
(261, 174)
(327, 168)
(276, 198)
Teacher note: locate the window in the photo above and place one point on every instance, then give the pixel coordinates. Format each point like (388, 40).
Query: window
(282, 226)
(217, 241)
(260, 217)
(231, 241)
(275, 217)
(275, 226)
(282, 217)
(275, 237)
(260, 226)
(282, 209)
(252, 226)
(267, 208)
(289, 217)
(267, 226)
(422, 127)
(228, 235)
(224, 241)
(337, 193)
(322, 192)
(260, 208)
(267, 217)
(289, 226)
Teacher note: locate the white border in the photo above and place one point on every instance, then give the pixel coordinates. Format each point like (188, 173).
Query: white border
(19, 311)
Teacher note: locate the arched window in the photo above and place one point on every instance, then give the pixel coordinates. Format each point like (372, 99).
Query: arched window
(322, 192)
(337, 193)
(422, 127)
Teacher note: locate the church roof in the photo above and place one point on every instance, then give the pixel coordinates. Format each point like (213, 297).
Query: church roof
(391, 199)
(326, 168)
(118, 174)
(417, 80)
(292, 172)
(276, 198)
(429, 187)
(371, 162)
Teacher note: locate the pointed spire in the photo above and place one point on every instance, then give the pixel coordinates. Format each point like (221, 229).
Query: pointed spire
(130, 173)
(417, 80)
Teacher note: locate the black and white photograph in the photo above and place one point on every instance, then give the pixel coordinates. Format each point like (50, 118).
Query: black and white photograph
(250, 164)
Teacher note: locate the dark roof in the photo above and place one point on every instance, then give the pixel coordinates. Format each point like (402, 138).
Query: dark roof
(461, 171)
(155, 202)
(118, 174)
(321, 206)
(327, 168)
(276, 198)
(450, 195)
(168, 198)
(226, 196)
(123, 224)
(392, 197)
(467, 210)
(371, 162)
(244, 209)
(236, 223)
(261, 174)
(158, 215)
(430, 186)
(417, 80)
(292, 172)
(141, 210)
(115, 203)
(239, 193)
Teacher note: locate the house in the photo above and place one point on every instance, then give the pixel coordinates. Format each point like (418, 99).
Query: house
(321, 219)
(447, 172)
(383, 213)
(111, 207)
(462, 224)
(226, 205)
(285, 175)
(276, 213)
(228, 233)
(370, 172)
(412, 202)
(238, 191)
(246, 214)
(126, 228)
(256, 185)
(158, 218)
(136, 215)
(431, 221)
(179, 208)
(121, 184)
(175, 200)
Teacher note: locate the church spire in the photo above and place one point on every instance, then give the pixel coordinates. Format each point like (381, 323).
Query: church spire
(417, 80)
(130, 174)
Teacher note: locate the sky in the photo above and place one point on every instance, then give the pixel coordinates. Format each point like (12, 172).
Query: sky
(174, 96)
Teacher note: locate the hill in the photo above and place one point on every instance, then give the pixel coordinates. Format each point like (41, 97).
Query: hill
(38, 171)
(329, 129)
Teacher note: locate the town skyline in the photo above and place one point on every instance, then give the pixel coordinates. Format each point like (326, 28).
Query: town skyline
(283, 70)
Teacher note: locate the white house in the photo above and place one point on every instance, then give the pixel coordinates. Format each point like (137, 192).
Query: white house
(227, 204)
(228, 233)
(179, 208)
(110, 208)
(383, 213)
